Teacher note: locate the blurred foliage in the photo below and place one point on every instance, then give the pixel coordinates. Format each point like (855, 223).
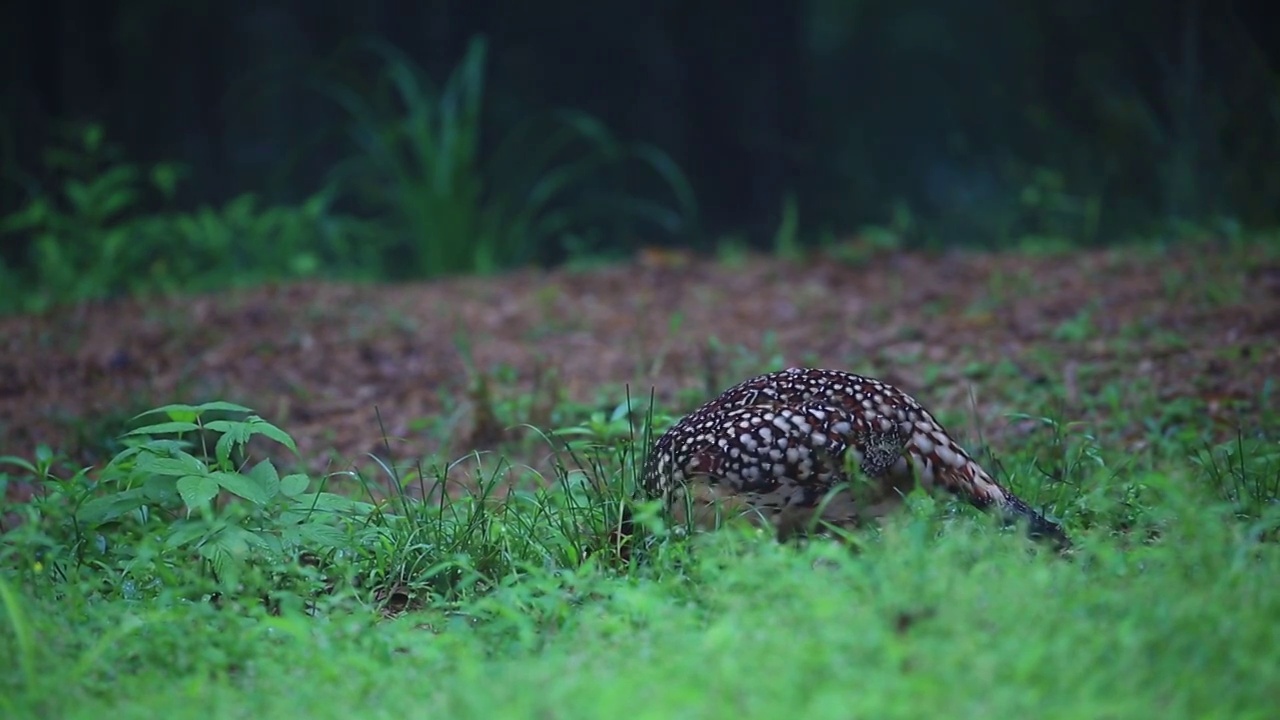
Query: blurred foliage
(563, 130)
(423, 202)
(109, 230)
(550, 185)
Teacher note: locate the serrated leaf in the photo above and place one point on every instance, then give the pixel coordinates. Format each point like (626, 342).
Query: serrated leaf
(124, 455)
(234, 541)
(165, 446)
(177, 465)
(160, 489)
(321, 534)
(262, 427)
(251, 538)
(221, 405)
(272, 544)
(175, 411)
(164, 428)
(111, 507)
(221, 556)
(293, 485)
(222, 449)
(197, 490)
(240, 484)
(291, 535)
(234, 432)
(267, 477)
(186, 532)
(294, 515)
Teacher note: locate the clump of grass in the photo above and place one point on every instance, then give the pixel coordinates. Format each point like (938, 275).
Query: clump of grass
(509, 523)
(1245, 474)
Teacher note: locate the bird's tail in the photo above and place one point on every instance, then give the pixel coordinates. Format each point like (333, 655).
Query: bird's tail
(948, 466)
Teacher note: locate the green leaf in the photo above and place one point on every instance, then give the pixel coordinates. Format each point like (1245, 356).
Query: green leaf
(160, 489)
(223, 406)
(185, 532)
(242, 485)
(267, 478)
(621, 411)
(34, 215)
(176, 411)
(15, 460)
(93, 137)
(78, 194)
(312, 534)
(234, 433)
(165, 177)
(222, 449)
(164, 428)
(271, 543)
(110, 507)
(576, 430)
(125, 455)
(221, 558)
(231, 542)
(225, 426)
(293, 485)
(262, 427)
(115, 199)
(178, 465)
(197, 490)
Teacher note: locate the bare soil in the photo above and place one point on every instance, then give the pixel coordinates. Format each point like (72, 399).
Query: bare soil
(336, 365)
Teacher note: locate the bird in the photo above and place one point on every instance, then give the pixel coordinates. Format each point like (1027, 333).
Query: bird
(773, 449)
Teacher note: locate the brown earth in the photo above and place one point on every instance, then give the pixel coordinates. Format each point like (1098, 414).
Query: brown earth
(323, 361)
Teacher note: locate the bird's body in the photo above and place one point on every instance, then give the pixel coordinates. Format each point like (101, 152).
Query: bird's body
(773, 448)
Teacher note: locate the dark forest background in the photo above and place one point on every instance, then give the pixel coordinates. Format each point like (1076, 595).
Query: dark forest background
(359, 129)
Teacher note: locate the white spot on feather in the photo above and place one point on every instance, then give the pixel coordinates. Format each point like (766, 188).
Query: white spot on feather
(947, 457)
(923, 443)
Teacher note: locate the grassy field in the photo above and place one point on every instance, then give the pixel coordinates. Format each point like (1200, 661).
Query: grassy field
(185, 570)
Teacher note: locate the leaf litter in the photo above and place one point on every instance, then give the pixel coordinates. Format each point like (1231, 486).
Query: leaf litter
(967, 333)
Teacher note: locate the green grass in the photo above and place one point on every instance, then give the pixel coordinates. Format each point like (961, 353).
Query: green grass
(191, 578)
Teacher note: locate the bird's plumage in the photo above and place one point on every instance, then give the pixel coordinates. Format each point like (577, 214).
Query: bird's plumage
(775, 446)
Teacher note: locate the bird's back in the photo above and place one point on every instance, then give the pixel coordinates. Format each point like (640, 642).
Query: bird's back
(775, 446)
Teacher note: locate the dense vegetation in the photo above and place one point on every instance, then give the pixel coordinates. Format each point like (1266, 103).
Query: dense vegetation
(260, 457)
(190, 576)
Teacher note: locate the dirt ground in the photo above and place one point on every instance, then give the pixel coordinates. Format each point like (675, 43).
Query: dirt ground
(324, 361)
